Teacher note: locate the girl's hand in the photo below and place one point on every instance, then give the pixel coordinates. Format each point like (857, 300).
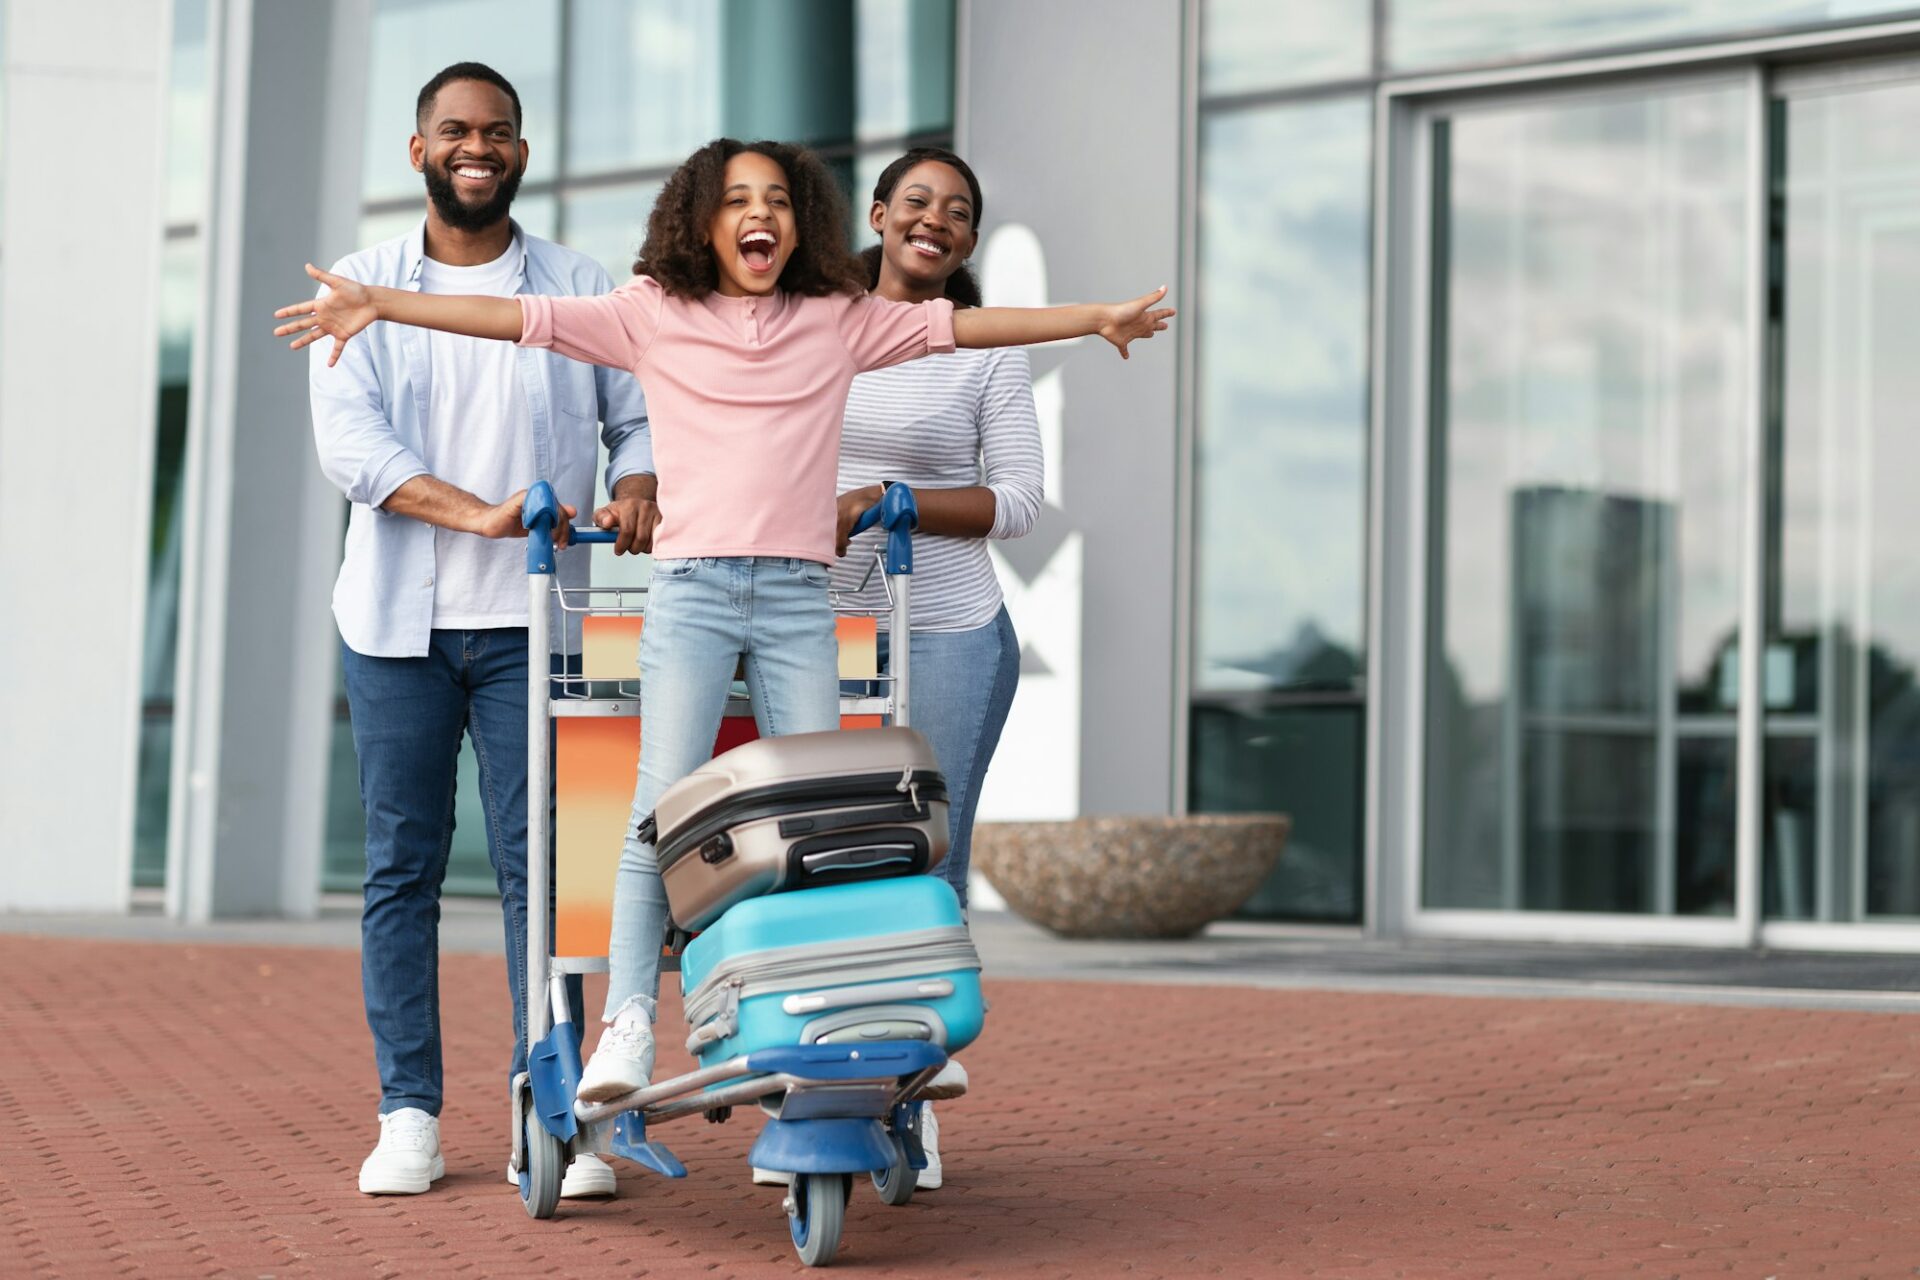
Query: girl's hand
(344, 310)
(1126, 321)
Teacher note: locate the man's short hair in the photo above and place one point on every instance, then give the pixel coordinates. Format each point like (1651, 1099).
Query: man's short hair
(423, 109)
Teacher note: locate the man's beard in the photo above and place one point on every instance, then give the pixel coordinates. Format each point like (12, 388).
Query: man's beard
(469, 217)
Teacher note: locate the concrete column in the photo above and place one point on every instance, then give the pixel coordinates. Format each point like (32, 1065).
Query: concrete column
(80, 229)
(1082, 180)
(257, 645)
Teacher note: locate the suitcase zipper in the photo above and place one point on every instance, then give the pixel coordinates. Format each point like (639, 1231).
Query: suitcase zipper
(781, 799)
(899, 955)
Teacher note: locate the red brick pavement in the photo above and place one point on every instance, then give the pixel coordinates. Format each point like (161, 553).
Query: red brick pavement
(201, 1110)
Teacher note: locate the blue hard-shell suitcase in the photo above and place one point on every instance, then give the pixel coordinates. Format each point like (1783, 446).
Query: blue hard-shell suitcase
(882, 960)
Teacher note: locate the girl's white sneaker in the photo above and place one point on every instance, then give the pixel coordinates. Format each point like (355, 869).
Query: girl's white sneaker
(930, 1178)
(623, 1060)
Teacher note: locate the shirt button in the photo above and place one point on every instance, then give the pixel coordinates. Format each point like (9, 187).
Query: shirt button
(427, 583)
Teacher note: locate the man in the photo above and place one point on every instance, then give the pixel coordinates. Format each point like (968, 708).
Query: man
(434, 439)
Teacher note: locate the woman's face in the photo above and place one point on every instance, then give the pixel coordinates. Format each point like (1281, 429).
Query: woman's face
(926, 228)
(753, 232)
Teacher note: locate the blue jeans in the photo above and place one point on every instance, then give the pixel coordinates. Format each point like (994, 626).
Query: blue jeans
(962, 688)
(408, 717)
(704, 616)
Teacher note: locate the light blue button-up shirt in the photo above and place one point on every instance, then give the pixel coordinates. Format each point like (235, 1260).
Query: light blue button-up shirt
(370, 411)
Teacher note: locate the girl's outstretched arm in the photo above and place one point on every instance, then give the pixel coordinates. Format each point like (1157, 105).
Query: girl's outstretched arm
(1117, 322)
(348, 307)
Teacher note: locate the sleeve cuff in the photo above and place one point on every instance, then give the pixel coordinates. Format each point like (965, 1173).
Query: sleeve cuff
(536, 320)
(939, 326)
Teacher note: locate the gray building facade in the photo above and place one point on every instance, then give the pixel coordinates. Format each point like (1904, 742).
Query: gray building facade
(1518, 501)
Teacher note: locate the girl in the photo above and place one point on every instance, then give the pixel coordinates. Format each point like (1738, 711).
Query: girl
(936, 424)
(745, 322)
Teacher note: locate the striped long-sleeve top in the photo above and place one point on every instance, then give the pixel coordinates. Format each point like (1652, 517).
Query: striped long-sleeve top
(943, 422)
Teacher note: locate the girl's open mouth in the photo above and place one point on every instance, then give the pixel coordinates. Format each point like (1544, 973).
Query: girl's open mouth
(756, 250)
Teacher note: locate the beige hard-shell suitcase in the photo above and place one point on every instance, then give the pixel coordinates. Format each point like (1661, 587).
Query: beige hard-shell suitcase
(798, 812)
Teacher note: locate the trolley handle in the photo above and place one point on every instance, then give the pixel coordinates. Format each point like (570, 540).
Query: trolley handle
(539, 515)
(899, 515)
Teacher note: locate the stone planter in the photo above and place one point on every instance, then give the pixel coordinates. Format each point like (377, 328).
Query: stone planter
(1129, 877)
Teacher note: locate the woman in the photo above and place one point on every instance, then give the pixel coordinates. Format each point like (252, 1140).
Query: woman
(960, 429)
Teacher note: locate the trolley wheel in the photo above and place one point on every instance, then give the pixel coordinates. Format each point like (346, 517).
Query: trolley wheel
(546, 1158)
(816, 1210)
(896, 1182)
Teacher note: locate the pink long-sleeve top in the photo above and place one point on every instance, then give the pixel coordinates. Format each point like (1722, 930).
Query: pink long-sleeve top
(746, 398)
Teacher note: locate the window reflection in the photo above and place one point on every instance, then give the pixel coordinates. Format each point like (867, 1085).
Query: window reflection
(1588, 340)
(413, 39)
(1248, 45)
(1305, 762)
(905, 67)
(644, 82)
(1425, 33)
(1843, 801)
(187, 105)
(608, 224)
(1280, 453)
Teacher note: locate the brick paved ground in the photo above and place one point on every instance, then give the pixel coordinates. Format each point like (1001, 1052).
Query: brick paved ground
(198, 1110)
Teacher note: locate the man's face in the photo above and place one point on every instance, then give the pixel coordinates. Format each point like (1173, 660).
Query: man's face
(471, 153)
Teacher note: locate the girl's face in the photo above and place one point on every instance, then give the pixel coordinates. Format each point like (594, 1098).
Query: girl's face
(926, 229)
(753, 233)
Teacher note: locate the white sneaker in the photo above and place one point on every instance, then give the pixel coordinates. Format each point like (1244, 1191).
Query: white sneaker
(930, 1178)
(949, 1082)
(408, 1159)
(623, 1060)
(588, 1175)
(770, 1177)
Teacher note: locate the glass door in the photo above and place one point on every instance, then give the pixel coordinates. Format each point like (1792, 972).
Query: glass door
(1589, 406)
(1841, 826)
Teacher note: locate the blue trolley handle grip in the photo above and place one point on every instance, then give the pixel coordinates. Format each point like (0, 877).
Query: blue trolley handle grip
(899, 515)
(539, 516)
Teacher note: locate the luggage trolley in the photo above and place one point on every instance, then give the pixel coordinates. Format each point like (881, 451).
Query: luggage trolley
(835, 1110)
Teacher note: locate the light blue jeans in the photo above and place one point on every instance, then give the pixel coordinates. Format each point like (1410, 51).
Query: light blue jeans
(703, 617)
(962, 689)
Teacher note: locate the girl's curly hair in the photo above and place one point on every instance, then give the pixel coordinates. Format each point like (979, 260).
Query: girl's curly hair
(676, 252)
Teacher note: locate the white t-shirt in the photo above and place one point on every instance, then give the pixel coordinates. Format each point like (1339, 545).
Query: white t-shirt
(479, 437)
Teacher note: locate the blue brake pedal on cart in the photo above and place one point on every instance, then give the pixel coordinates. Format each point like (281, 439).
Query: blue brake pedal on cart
(630, 1142)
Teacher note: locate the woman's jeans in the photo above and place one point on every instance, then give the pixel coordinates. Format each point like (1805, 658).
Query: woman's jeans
(408, 718)
(962, 685)
(703, 616)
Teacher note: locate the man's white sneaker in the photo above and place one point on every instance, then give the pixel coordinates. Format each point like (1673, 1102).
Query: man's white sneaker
(949, 1082)
(408, 1159)
(930, 1178)
(623, 1060)
(588, 1175)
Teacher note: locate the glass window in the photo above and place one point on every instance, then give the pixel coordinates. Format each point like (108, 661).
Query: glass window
(608, 224)
(905, 67)
(1589, 348)
(179, 301)
(1426, 33)
(415, 39)
(1249, 45)
(1280, 465)
(644, 82)
(187, 122)
(1842, 832)
(1305, 762)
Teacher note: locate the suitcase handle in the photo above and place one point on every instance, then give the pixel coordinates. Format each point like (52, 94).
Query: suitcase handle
(904, 851)
(902, 992)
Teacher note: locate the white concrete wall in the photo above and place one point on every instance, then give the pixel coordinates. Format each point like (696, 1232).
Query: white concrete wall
(81, 194)
(262, 537)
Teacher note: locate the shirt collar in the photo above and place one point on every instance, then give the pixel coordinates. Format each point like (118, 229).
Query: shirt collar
(417, 254)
